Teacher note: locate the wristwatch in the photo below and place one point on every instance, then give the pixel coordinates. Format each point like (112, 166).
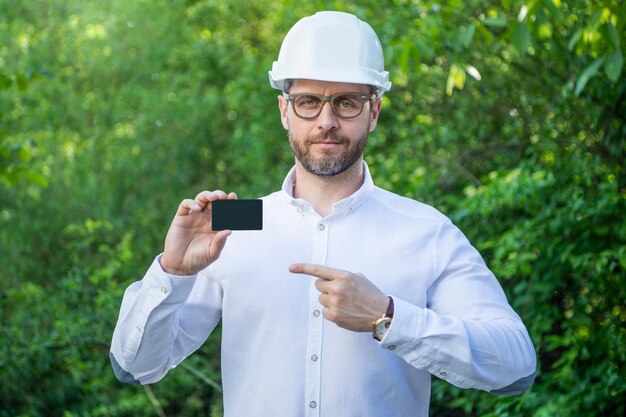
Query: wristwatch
(381, 325)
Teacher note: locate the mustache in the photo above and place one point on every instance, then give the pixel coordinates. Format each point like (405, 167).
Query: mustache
(333, 136)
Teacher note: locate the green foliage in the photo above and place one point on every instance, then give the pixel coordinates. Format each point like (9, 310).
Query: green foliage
(508, 116)
(15, 157)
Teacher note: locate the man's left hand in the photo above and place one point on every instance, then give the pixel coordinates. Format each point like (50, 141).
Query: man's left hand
(350, 300)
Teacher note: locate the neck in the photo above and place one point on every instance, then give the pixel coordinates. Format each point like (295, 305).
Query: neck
(323, 192)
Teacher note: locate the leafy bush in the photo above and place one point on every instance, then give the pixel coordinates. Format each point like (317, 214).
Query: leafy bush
(508, 116)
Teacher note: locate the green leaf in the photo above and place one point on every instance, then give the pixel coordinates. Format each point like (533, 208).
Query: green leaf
(495, 22)
(22, 81)
(552, 7)
(425, 50)
(575, 38)
(622, 257)
(456, 79)
(610, 33)
(521, 37)
(485, 33)
(466, 35)
(588, 73)
(595, 20)
(613, 65)
(5, 82)
(36, 178)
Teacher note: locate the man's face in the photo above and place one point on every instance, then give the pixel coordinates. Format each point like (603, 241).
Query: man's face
(328, 145)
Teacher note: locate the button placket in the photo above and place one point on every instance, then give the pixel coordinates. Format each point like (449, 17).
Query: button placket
(316, 326)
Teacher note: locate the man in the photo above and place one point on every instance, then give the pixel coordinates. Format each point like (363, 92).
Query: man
(338, 261)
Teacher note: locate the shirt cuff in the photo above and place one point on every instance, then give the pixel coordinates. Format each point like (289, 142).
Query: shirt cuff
(404, 333)
(176, 288)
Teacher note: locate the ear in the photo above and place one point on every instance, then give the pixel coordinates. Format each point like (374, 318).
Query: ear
(375, 113)
(283, 105)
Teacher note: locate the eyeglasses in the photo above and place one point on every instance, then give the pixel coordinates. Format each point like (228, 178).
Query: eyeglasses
(345, 105)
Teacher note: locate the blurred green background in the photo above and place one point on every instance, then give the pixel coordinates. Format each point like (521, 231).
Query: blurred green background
(508, 116)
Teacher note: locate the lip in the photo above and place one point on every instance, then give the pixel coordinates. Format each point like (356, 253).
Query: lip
(327, 143)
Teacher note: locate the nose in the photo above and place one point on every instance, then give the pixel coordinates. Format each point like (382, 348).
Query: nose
(327, 120)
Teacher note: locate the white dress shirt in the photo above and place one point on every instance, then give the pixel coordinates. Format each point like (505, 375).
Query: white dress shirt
(281, 357)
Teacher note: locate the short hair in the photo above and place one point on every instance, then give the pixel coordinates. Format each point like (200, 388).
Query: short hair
(287, 85)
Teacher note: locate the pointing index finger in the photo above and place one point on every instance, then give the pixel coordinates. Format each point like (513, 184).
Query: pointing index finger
(320, 271)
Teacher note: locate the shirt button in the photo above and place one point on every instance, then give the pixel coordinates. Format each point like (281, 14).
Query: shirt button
(322, 227)
(314, 357)
(392, 347)
(312, 404)
(316, 313)
(139, 329)
(163, 290)
(443, 373)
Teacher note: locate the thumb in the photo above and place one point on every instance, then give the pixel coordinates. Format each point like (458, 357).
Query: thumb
(218, 243)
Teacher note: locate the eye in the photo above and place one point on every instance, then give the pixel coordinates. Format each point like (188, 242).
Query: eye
(347, 102)
(308, 102)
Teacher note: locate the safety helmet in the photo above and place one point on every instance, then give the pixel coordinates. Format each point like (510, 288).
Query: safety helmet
(331, 46)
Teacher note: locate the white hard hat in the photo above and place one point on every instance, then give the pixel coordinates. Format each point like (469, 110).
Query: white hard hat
(331, 46)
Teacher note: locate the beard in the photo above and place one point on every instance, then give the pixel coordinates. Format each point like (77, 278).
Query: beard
(331, 162)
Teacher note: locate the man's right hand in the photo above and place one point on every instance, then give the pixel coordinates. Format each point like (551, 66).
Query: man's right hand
(191, 244)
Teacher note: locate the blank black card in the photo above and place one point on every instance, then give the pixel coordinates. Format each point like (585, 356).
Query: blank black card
(237, 215)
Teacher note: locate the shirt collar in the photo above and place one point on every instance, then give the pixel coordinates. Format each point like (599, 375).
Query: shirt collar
(346, 205)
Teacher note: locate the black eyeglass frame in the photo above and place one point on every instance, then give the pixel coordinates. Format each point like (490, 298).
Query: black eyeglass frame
(361, 97)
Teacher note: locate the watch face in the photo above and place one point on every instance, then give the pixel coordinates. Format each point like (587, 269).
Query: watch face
(381, 327)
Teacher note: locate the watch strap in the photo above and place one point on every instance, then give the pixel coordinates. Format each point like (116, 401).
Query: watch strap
(389, 312)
